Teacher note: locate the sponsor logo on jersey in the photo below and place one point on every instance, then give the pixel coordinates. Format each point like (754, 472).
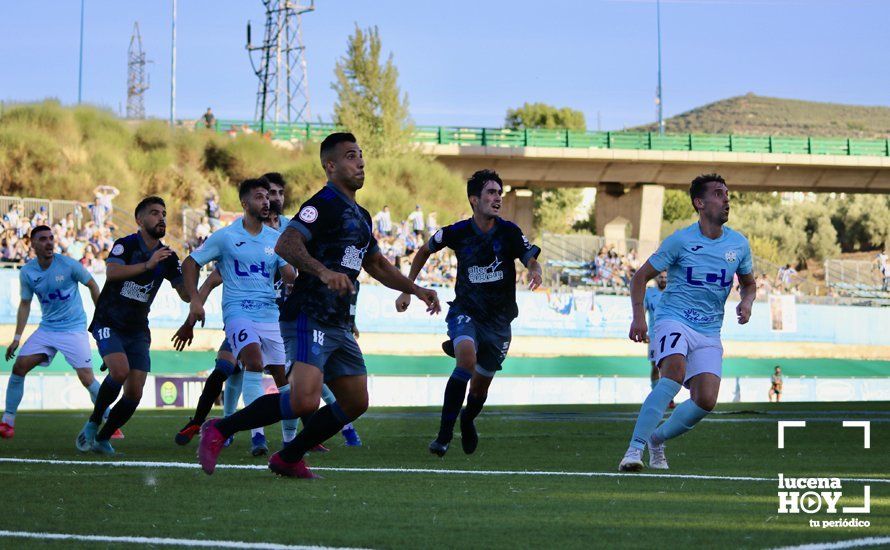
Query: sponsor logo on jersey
(696, 248)
(353, 257)
(140, 293)
(60, 278)
(308, 214)
(486, 274)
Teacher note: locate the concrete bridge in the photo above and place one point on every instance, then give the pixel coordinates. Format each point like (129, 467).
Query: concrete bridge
(631, 182)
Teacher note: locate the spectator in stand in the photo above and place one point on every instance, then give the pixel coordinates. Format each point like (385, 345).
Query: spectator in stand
(106, 194)
(432, 224)
(883, 266)
(98, 211)
(211, 208)
(784, 275)
(40, 217)
(415, 219)
(209, 120)
(383, 222)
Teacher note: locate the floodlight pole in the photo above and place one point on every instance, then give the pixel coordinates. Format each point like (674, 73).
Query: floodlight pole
(658, 99)
(173, 71)
(80, 58)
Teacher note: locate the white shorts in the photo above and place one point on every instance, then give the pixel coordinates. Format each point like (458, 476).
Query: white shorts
(75, 347)
(703, 353)
(241, 331)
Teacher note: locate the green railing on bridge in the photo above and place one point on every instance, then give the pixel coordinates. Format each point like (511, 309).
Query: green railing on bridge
(505, 137)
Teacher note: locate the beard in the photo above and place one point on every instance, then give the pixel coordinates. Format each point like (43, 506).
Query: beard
(276, 208)
(156, 232)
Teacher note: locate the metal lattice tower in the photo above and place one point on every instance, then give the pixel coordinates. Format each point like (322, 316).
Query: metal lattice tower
(283, 90)
(137, 80)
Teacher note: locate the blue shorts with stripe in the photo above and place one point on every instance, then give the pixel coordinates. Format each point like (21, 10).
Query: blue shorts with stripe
(134, 345)
(330, 348)
(491, 343)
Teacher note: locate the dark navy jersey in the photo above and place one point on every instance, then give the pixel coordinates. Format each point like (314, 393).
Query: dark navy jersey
(486, 272)
(338, 234)
(123, 305)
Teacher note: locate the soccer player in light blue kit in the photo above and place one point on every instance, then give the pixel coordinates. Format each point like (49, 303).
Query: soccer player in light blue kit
(54, 279)
(701, 261)
(650, 304)
(248, 265)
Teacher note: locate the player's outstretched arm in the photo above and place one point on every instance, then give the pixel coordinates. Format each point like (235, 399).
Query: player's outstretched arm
(190, 289)
(21, 319)
(212, 281)
(420, 258)
(379, 268)
(639, 331)
(748, 291)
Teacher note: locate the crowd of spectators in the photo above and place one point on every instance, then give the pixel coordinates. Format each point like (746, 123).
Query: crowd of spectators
(86, 239)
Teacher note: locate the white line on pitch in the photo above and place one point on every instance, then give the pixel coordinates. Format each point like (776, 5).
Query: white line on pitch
(852, 543)
(157, 541)
(194, 466)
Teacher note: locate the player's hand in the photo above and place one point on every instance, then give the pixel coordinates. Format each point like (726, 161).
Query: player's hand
(536, 280)
(338, 282)
(355, 331)
(10, 351)
(430, 298)
(159, 256)
(639, 331)
(196, 312)
(402, 302)
(183, 336)
(743, 312)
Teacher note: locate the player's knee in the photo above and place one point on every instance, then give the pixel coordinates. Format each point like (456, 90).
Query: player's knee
(133, 394)
(706, 402)
(19, 368)
(85, 376)
(356, 406)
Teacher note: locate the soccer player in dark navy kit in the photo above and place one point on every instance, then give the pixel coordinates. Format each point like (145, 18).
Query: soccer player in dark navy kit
(329, 242)
(137, 266)
(485, 304)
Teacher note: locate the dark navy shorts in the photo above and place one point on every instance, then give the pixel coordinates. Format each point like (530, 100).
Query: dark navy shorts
(134, 345)
(330, 348)
(491, 343)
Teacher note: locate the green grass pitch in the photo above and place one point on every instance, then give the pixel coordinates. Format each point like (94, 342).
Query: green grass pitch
(497, 507)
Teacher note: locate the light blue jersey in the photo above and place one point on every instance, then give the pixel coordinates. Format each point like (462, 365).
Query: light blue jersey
(248, 266)
(650, 302)
(56, 288)
(700, 275)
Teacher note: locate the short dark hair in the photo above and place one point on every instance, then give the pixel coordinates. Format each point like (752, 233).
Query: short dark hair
(38, 229)
(478, 180)
(249, 185)
(330, 142)
(700, 184)
(275, 177)
(148, 201)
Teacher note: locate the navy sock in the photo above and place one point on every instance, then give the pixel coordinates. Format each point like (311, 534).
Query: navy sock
(118, 416)
(324, 424)
(212, 388)
(455, 391)
(262, 412)
(108, 392)
(474, 406)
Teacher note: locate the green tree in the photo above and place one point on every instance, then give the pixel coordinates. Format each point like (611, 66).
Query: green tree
(541, 115)
(677, 206)
(369, 103)
(554, 208)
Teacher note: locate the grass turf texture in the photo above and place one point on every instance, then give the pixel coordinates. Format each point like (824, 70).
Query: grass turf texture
(432, 509)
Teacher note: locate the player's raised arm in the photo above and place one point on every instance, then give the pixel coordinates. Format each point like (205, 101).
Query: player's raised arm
(379, 268)
(639, 330)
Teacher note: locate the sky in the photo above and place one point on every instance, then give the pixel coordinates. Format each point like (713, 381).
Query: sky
(465, 62)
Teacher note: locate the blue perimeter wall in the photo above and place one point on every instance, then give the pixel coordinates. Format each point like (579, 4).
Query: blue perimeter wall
(579, 314)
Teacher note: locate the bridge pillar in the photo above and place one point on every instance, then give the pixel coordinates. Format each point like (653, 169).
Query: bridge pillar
(640, 204)
(518, 206)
